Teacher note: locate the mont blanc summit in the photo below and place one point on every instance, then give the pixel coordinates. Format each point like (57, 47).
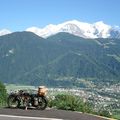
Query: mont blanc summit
(81, 29)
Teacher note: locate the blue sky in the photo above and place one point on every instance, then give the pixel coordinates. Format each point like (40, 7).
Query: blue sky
(17, 15)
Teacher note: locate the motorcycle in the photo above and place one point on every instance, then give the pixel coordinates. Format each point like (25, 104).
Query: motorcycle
(25, 99)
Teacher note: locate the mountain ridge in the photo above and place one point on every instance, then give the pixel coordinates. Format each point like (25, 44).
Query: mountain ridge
(82, 29)
(59, 60)
(75, 27)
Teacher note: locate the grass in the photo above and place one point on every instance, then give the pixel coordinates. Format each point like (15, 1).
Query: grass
(116, 117)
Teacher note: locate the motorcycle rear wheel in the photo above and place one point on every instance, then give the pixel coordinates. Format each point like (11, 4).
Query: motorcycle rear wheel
(42, 103)
(13, 102)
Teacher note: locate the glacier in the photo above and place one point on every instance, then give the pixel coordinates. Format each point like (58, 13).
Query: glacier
(81, 29)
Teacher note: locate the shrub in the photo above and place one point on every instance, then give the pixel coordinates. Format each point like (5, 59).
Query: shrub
(104, 112)
(70, 102)
(3, 95)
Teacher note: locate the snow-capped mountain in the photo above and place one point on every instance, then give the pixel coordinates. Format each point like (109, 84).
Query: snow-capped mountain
(81, 29)
(4, 32)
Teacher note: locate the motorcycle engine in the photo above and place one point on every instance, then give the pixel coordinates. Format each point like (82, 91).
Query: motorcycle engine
(35, 101)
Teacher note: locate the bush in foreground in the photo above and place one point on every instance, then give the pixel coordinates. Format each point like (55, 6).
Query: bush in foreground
(75, 103)
(70, 102)
(3, 95)
(104, 112)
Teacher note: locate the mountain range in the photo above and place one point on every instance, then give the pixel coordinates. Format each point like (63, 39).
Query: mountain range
(62, 59)
(74, 27)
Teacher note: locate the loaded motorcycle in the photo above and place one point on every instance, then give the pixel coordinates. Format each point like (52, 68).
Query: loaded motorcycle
(25, 99)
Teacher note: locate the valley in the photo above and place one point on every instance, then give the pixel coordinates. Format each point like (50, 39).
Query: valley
(101, 98)
(89, 68)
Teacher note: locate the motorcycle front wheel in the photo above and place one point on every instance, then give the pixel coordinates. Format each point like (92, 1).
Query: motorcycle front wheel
(42, 103)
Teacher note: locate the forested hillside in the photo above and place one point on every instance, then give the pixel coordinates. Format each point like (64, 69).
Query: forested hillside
(59, 60)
